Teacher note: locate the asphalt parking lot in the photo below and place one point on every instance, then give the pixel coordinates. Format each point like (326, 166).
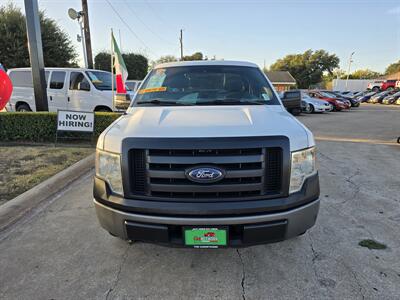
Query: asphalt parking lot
(60, 251)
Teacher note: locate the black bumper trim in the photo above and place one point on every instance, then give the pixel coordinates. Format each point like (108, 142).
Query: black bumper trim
(308, 193)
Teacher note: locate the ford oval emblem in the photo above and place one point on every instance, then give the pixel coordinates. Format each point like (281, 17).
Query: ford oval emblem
(205, 174)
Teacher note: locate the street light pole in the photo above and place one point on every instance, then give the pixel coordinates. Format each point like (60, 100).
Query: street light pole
(348, 70)
(181, 42)
(86, 29)
(80, 21)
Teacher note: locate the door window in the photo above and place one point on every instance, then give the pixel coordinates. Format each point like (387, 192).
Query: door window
(57, 80)
(77, 78)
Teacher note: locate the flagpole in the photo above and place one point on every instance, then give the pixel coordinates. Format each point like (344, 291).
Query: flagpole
(112, 71)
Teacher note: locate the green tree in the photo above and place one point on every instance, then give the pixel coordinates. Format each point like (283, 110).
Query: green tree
(163, 59)
(393, 68)
(194, 56)
(307, 68)
(136, 64)
(58, 50)
(364, 74)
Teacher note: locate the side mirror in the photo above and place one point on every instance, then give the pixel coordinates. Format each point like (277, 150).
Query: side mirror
(84, 86)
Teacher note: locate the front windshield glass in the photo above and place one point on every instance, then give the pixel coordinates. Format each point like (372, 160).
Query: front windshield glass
(101, 80)
(327, 95)
(206, 85)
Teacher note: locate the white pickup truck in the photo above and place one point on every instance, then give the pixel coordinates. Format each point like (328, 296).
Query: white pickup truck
(206, 156)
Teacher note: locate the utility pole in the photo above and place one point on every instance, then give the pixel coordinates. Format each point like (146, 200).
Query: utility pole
(36, 54)
(348, 70)
(181, 41)
(86, 28)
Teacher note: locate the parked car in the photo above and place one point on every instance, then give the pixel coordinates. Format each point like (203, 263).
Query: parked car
(375, 85)
(337, 105)
(133, 85)
(379, 97)
(346, 102)
(291, 100)
(67, 88)
(397, 101)
(366, 96)
(388, 85)
(353, 101)
(224, 122)
(391, 99)
(311, 105)
(397, 84)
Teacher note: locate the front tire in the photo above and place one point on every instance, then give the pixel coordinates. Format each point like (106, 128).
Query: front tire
(23, 108)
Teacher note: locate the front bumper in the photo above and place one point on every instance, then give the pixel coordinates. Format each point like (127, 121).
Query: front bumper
(248, 222)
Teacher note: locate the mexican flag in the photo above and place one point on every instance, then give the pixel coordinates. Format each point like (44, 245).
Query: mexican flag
(121, 73)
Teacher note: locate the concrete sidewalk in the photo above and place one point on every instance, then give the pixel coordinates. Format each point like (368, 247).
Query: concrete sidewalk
(62, 253)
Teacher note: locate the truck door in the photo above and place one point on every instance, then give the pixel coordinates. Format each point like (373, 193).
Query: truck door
(57, 91)
(79, 94)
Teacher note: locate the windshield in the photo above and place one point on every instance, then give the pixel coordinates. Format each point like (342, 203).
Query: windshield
(101, 80)
(328, 95)
(206, 85)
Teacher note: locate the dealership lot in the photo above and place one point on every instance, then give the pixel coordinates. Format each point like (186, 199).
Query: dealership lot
(60, 252)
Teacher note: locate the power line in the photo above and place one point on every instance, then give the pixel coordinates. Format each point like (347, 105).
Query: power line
(129, 28)
(154, 13)
(145, 25)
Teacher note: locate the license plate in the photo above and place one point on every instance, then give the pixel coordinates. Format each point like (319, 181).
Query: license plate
(205, 237)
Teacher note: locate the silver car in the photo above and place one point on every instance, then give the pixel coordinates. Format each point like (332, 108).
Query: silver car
(315, 105)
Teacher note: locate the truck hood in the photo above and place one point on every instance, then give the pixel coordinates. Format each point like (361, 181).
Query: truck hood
(206, 121)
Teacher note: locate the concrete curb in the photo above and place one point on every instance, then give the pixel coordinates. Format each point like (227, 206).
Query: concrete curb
(13, 210)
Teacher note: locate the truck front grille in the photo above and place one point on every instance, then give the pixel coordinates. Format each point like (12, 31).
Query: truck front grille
(250, 173)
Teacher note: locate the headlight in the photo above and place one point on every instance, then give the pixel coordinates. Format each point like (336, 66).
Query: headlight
(303, 166)
(108, 168)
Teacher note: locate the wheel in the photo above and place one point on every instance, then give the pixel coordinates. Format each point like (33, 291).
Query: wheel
(310, 109)
(375, 89)
(23, 108)
(296, 111)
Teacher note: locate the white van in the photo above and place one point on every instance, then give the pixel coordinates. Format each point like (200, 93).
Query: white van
(67, 88)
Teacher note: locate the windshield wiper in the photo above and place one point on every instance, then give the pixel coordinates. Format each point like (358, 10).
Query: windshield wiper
(162, 102)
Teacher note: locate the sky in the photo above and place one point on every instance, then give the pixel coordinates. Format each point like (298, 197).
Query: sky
(256, 31)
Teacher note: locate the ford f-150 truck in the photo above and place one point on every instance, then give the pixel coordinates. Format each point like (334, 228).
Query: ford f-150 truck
(206, 156)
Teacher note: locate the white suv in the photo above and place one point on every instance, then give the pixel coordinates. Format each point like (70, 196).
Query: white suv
(206, 157)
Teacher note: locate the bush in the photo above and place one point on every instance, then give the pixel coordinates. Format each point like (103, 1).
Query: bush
(42, 126)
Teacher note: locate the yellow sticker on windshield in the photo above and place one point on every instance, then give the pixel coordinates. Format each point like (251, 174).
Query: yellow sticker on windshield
(153, 90)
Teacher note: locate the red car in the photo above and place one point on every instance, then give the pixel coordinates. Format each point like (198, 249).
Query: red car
(388, 85)
(337, 105)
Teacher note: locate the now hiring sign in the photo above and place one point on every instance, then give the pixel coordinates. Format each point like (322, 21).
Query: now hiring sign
(75, 121)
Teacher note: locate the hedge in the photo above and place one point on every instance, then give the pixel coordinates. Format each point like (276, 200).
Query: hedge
(41, 126)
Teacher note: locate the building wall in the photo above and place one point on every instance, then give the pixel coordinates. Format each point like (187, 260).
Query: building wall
(282, 87)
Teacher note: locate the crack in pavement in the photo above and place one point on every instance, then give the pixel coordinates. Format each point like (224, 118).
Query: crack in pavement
(314, 256)
(116, 280)
(360, 287)
(357, 188)
(243, 281)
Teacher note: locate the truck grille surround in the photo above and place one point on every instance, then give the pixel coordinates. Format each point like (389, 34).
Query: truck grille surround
(255, 168)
